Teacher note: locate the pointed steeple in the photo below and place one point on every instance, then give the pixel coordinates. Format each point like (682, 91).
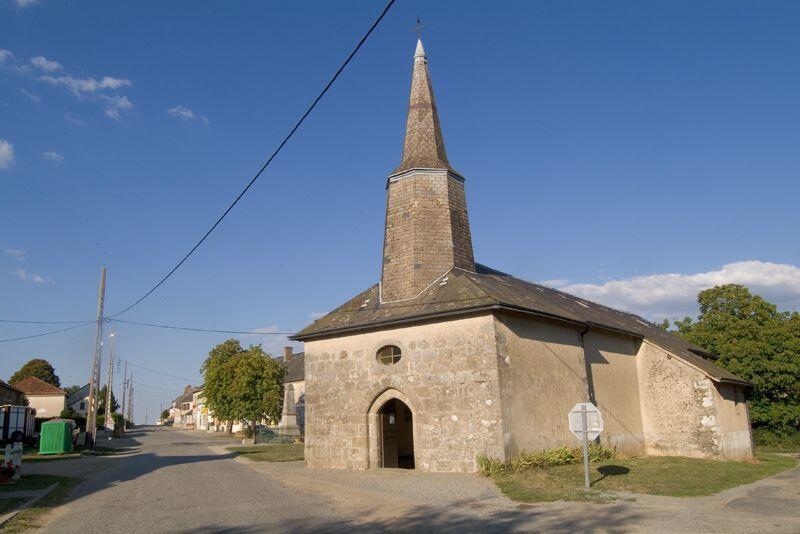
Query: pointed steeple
(424, 145)
(427, 227)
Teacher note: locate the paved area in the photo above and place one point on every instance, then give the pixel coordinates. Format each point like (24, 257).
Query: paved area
(173, 481)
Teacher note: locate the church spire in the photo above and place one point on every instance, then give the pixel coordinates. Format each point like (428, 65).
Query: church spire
(427, 226)
(424, 145)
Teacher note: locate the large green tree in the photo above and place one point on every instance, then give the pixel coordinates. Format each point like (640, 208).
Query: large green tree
(39, 368)
(218, 377)
(755, 342)
(257, 386)
(242, 383)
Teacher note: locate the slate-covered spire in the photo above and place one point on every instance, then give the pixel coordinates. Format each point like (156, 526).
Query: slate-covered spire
(424, 144)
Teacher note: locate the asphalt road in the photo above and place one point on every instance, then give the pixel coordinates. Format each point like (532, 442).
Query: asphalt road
(180, 482)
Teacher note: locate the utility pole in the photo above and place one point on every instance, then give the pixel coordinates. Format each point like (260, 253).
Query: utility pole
(109, 406)
(130, 399)
(124, 394)
(94, 380)
(146, 414)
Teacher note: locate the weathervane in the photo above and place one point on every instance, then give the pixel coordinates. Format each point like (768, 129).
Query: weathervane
(418, 28)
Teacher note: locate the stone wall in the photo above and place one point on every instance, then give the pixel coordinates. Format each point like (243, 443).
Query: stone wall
(683, 412)
(427, 232)
(614, 386)
(542, 377)
(447, 376)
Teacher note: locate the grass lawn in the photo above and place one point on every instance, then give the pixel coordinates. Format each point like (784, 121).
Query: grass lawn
(30, 517)
(276, 452)
(34, 456)
(31, 482)
(6, 505)
(673, 476)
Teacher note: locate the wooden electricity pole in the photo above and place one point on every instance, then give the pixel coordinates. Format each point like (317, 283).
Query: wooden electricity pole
(94, 379)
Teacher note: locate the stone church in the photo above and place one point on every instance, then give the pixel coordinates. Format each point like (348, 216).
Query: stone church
(446, 359)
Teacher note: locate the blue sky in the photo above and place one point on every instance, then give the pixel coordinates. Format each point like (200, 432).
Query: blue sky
(630, 152)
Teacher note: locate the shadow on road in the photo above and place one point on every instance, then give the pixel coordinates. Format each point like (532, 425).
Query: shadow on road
(456, 519)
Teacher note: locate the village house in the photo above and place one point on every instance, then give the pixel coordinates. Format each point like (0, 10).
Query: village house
(78, 401)
(294, 389)
(203, 419)
(445, 359)
(48, 400)
(9, 394)
(182, 410)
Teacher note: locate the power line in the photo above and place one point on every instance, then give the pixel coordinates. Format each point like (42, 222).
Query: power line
(49, 332)
(269, 160)
(171, 327)
(42, 322)
(184, 379)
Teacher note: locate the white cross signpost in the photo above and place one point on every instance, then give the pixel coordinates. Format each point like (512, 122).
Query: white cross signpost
(586, 422)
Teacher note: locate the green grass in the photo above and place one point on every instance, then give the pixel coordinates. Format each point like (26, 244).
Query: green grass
(6, 505)
(77, 453)
(30, 518)
(277, 452)
(31, 482)
(673, 476)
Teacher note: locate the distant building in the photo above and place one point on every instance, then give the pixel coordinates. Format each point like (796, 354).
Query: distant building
(446, 359)
(9, 394)
(294, 390)
(78, 401)
(48, 400)
(182, 411)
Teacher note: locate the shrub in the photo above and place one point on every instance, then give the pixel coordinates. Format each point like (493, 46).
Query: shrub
(543, 459)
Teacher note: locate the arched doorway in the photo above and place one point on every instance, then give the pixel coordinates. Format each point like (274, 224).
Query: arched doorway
(396, 434)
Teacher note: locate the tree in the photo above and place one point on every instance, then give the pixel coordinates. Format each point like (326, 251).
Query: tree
(242, 383)
(39, 368)
(757, 343)
(257, 386)
(101, 401)
(218, 376)
(165, 415)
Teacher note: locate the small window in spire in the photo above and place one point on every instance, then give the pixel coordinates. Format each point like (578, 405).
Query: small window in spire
(389, 355)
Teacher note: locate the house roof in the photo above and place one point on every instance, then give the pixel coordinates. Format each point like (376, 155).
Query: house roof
(296, 368)
(31, 385)
(78, 396)
(4, 384)
(461, 292)
(187, 395)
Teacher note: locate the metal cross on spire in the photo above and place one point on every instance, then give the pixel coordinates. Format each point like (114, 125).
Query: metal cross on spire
(418, 28)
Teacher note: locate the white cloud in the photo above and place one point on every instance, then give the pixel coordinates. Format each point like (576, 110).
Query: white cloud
(6, 154)
(659, 296)
(25, 3)
(86, 86)
(5, 55)
(51, 155)
(115, 105)
(68, 116)
(16, 253)
(45, 64)
(32, 96)
(182, 112)
(23, 274)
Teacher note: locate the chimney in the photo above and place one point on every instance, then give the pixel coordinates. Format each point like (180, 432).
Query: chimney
(187, 389)
(287, 354)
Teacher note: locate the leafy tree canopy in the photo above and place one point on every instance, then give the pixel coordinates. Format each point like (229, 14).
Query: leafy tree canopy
(757, 343)
(39, 368)
(243, 383)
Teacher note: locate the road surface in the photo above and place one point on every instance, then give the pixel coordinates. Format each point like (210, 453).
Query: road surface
(181, 481)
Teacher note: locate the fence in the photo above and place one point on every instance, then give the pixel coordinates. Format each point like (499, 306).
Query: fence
(275, 435)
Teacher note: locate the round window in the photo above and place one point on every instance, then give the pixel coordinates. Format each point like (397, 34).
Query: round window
(388, 355)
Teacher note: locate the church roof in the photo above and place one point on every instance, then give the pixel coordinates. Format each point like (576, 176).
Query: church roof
(423, 147)
(462, 292)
